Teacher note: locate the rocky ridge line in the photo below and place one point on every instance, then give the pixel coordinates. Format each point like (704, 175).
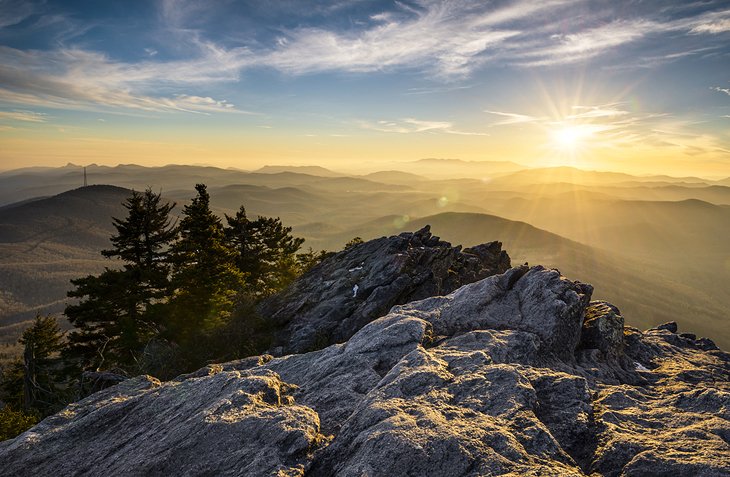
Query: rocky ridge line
(516, 374)
(354, 287)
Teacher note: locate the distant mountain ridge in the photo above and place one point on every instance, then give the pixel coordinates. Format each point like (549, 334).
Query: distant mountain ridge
(653, 249)
(573, 174)
(311, 170)
(47, 242)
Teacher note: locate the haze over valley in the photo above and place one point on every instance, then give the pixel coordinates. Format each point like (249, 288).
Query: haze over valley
(659, 258)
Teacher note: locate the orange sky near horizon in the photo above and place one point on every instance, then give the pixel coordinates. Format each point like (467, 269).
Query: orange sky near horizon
(356, 87)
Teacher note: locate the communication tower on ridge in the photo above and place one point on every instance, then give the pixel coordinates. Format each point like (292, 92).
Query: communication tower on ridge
(85, 182)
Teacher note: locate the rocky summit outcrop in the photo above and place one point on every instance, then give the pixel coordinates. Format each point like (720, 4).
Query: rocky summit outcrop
(354, 287)
(516, 374)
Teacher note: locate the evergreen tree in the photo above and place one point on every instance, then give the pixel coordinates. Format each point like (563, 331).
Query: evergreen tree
(98, 340)
(353, 242)
(265, 251)
(118, 311)
(205, 279)
(309, 259)
(142, 242)
(33, 384)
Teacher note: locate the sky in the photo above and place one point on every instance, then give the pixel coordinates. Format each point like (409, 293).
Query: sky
(635, 86)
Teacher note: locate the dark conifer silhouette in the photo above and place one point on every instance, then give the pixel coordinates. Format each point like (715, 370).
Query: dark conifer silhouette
(265, 251)
(31, 384)
(205, 280)
(118, 311)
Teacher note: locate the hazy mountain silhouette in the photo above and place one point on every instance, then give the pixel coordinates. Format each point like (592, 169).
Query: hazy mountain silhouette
(311, 170)
(45, 243)
(571, 174)
(435, 168)
(394, 177)
(655, 248)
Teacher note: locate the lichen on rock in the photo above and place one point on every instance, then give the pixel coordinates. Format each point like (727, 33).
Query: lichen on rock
(518, 373)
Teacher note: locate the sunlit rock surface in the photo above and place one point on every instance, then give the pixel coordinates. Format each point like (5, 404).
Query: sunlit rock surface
(516, 374)
(356, 286)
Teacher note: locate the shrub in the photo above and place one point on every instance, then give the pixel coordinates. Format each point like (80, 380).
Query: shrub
(13, 423)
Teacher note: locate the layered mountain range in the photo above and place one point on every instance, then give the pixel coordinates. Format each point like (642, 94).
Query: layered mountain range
(654, 246)
(477, 369)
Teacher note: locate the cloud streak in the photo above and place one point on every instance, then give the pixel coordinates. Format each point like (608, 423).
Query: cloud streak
(443, 39)
(583, 45)
(78, 79)
(413, 125)
(447, 41)
(13, 12)
(25, 116)
(513, 118)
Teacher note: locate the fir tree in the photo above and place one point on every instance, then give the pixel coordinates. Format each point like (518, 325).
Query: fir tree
(310, 259)
(205, 279)
(119, 310)
(143, 240)
(102, 328)
(265, 251)
(353, 242)
(33, 383)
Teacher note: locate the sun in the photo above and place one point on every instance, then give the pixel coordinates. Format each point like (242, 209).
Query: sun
(570, 137)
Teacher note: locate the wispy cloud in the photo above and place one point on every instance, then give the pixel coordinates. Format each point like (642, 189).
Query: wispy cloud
(653, 61)
(712, 23)
(449, 39)
(580, 44)
(13, 12)
(413, 125)
(435, 90)
(513, 118)
(26, 116)
(407, 125)
(565, 48)
(439, 40)
(604, 111)
(722, 90)
(202, 104)
(78, 79)
(446, 40)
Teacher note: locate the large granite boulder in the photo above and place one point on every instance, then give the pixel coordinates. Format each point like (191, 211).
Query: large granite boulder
(493, 379)
(349, 290)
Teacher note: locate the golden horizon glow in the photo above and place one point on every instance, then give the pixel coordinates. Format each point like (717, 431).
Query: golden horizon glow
(637, 89)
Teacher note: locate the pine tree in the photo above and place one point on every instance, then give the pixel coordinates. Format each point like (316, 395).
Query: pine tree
(205, 279)
(265, 251)
(119, 310)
